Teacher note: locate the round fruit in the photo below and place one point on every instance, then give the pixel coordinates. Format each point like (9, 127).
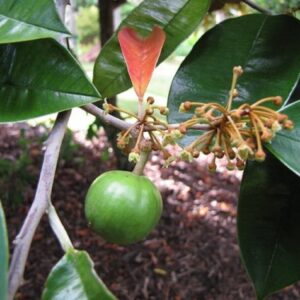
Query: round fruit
(122, 206)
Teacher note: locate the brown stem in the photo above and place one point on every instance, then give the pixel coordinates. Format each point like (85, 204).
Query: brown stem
(107, 118)
(123, 125)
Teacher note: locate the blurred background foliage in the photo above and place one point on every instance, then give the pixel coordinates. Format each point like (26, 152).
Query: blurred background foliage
(87, 24)
(88, 29)
(281, 6)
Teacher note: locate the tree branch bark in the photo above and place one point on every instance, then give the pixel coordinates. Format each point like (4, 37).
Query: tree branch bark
(123, 125)
(106, 17)
(39, 205)
(42, 197)
(106, 118)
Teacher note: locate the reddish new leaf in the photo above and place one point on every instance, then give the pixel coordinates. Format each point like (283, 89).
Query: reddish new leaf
(141, 55)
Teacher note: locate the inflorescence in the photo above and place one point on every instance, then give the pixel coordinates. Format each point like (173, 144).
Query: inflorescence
(234, 134)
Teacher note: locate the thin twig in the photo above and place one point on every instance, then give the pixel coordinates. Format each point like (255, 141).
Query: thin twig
(257, 7)
(58, 228)
(123, 125)
(204, 127)
(39, 205)
(107, 118)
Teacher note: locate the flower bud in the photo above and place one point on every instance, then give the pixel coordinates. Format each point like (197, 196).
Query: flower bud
(212, 167)
(196, 154)
(205, 150)
(186, 156)
(230, 166)
(282, 118)
(268, 123)
(276, 126)
(277, 100)
(187, 105)
(164, 110)
(243, 151)
(134, 157)
(238, 70)
(216, 149)
(260, 155)
(288, 124)
(182, 128)
(176, 134)
(150, 100)
(267, 135)
(231, 154)
(240, 164)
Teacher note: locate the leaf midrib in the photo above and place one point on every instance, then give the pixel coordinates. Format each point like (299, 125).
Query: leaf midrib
(292, 138)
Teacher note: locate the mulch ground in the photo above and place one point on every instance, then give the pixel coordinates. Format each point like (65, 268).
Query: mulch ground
(192, 254)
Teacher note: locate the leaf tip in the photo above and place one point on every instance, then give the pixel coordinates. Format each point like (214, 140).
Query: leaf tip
(141, 55)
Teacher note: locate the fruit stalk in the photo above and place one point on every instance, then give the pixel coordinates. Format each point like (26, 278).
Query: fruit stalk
(140, 165)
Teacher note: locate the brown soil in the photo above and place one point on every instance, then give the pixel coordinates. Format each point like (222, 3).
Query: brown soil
(192, 254)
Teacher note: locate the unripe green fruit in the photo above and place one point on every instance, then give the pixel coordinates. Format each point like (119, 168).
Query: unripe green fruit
(123, 207)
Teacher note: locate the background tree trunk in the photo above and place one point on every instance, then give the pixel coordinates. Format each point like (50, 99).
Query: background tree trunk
(106, 16)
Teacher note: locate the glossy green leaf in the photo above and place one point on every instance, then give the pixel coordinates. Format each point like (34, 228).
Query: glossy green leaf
(38, 78)
(74, 278)
(29, 20)
(177, 18)
(286, 145)
(3, 256)
(266, 48)
(268, 225)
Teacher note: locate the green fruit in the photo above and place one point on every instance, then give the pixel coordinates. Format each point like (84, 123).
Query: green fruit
(123, 207)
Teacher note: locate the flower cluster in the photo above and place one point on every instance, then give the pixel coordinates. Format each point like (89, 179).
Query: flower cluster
(145, 133)
(236, 134)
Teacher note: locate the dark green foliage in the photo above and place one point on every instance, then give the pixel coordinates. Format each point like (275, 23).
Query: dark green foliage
(280, 6)
(268, 225)
(267, 51)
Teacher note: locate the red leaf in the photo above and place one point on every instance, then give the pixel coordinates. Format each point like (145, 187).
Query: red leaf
(141, 55)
